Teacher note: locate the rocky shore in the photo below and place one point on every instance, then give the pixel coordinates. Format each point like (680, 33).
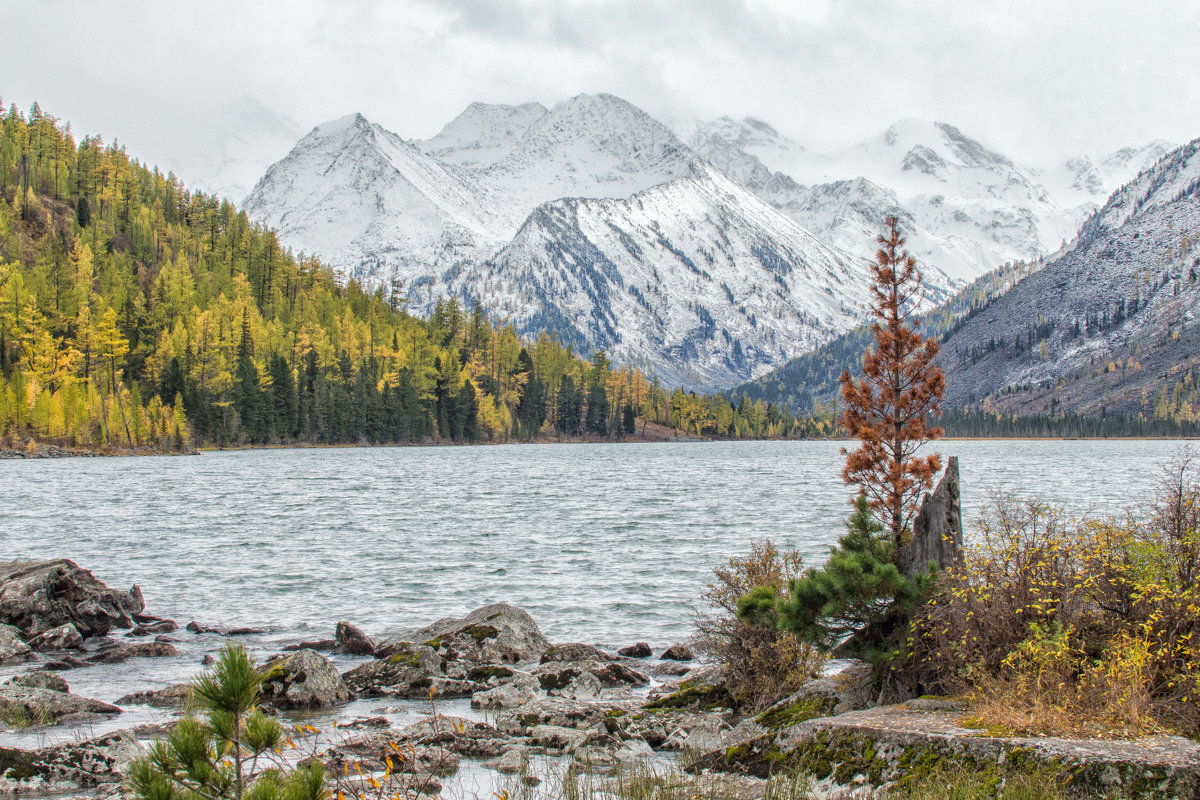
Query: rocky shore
(530, 699)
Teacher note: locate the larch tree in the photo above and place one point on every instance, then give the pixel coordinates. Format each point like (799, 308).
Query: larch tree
(887, 409)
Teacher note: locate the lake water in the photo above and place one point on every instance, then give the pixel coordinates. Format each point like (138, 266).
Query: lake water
(605, 543)
(602, 543)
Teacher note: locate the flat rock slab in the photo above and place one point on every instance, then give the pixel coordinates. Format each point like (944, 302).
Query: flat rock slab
(883, 745)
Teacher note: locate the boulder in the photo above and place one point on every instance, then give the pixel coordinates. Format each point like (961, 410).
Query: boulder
(124, 652)
(327, 645)
(678, 652)
(850, 688)
(558, 738)
(37, 596)
(499, 633)
(584, 680)
(574, 651)
(639, 650)
(25, 705)
(13, 649)
(372, 751)
(672, 726)
(352, 641)
(305, 679)
(887, 744)
(177, 695)
(465, 737)
(153, 627)
(518, 689)
(69, 767)
(513, 761)
(40, 680)
(64, 637)
(408, 671)
(608, 755)
(563, 713)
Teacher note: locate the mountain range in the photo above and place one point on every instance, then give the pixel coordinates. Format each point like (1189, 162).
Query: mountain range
(707, 257)
(1109, 327)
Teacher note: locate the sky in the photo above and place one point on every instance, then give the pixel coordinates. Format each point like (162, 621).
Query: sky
(1038, 80)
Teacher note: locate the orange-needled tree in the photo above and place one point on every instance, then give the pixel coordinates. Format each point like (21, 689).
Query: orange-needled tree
(887, 409)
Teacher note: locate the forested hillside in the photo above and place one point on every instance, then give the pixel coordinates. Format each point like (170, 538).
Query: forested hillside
(137, 314)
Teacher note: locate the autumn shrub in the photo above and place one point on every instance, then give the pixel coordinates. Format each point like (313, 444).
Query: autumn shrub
(1054, 624)
(762, 664)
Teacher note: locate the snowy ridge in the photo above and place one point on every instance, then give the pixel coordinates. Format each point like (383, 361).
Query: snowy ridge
(1173, 176)
(718, 284)
(965, 208)
(706, 265)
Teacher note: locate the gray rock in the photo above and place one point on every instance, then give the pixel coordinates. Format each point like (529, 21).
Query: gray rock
(499, 633)
(678, 652)
(707, 734)
(124, 652)
(64, 637)
(574, 651)
(372, 751)
(557, 738)
(305, 679)
(352, 641)
(153, 627)
(513, 761)
(37, 596)
(70, 767)
(465, 737)
(639, 650)
(609, 755)
(519, 689)
(670, 726)
(573, 681)
(408, 671)
(849, 689)
(13, 649)
(40, 680)
(888, 741)
(176, 695)
(563, 713)
(35, 706)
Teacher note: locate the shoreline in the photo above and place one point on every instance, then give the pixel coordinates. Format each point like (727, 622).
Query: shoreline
(51, 451)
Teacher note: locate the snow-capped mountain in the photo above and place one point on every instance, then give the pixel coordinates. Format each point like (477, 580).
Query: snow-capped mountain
(705, 264)
(696, 280)
(590, 219)
(374, 204)
(1108, 325)
(965, 208)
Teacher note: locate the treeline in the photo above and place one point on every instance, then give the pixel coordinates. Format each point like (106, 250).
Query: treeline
(137, 313)
(998, 425)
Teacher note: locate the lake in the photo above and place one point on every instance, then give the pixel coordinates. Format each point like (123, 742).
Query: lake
(603, 543)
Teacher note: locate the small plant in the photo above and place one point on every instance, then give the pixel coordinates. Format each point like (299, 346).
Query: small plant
(762, 663)
(234, 752)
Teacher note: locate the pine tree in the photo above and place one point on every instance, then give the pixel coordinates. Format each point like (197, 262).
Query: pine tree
(887, 409)
(230, 755)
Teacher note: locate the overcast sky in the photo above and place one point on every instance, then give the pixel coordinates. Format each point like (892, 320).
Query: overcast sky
(1036, 79)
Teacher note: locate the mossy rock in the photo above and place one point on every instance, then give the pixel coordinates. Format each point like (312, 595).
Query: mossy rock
(787, 714)
(694, 694)
(481, 633)
(488, 671)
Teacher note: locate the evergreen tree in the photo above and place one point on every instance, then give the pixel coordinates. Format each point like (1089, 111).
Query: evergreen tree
(231, 754)
(886, 409)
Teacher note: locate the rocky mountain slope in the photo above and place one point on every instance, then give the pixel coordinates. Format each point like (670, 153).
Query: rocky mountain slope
(965, 209)
(590, 220)
(1109, 327)
(706, 265)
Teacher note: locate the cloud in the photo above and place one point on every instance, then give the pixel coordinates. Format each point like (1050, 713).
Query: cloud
(1033, 79)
